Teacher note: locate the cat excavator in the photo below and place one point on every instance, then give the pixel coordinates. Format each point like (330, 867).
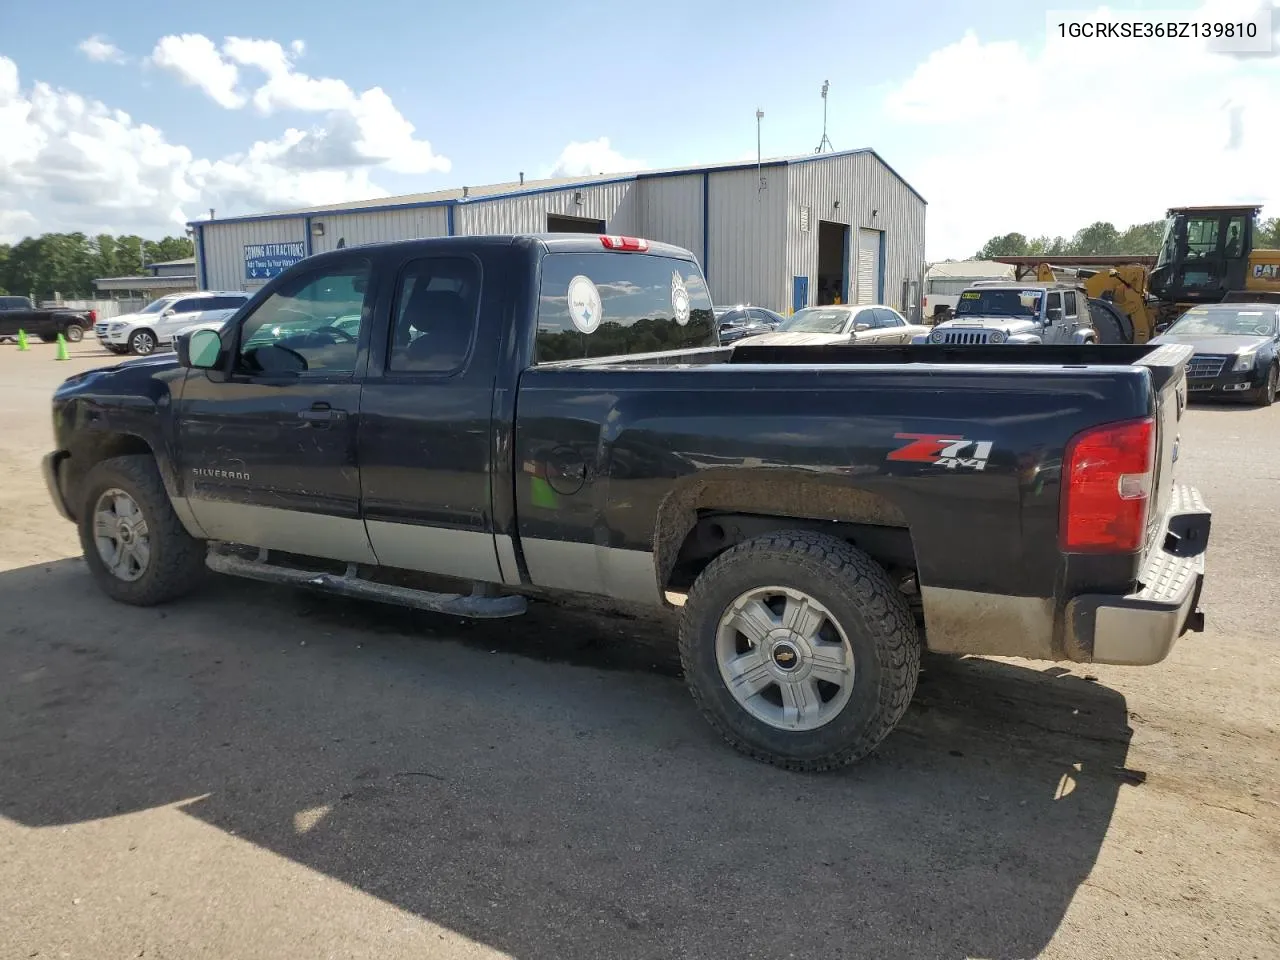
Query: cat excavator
(1207, 255)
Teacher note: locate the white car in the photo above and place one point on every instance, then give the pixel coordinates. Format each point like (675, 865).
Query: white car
(156, 324)
(839, 323)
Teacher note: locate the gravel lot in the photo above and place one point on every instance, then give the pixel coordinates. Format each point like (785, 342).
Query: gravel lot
(261, 773)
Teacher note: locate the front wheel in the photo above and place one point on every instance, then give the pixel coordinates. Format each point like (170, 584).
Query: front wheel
(1267, 395)
(136, 548)
(798, 649)
(142, 343)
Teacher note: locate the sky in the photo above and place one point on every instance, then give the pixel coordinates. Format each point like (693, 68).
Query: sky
(139, 117)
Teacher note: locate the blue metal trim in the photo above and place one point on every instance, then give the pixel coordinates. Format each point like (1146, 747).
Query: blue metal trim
(204, 264)
(449, 217)
(706, 221)
(306, 226)
(880, 279)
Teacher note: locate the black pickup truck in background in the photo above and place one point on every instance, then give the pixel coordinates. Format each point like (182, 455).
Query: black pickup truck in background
(538, 414)
(19, 313)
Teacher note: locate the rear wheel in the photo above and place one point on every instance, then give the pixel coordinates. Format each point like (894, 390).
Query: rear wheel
(134, 544)
(75, 333)
(799, 650)
(142, 343)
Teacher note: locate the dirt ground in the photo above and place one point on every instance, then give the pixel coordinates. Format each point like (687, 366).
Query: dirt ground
(261, 773)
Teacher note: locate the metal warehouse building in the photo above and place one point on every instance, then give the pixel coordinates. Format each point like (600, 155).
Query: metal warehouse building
(783, 234)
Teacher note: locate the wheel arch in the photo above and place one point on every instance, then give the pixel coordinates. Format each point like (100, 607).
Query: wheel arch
(698, 521)
(91, 447)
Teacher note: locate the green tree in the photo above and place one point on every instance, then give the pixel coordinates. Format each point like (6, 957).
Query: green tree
(1268, 234)
(1142, 239)
(1009, 245)
(170, 248)
(1097, 239)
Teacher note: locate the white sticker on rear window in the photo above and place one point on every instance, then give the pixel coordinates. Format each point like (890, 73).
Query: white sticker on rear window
(584, 304)
(679, 298)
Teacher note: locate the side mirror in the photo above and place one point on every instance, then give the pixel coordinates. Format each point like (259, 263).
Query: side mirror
(1054, 314)
(200, 350)
(860, 327)
(1161, 327)
(168, 312)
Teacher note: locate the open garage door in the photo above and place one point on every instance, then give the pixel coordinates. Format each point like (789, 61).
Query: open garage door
(868, 265)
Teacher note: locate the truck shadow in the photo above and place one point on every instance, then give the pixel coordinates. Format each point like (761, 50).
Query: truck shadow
(548, 809)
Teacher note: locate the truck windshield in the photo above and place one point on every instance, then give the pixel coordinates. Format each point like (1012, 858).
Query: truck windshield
(610, 304)
(1000, 303)
(815, 320)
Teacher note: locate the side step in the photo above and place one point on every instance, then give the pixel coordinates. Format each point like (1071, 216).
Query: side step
(477, 605)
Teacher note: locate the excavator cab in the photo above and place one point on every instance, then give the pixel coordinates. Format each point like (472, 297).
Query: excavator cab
(1204, 255)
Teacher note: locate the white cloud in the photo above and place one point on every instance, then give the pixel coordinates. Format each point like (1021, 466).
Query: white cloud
(101, 50)
(72, 163)
(359, 129)
(197, 62)
(587, 158)
(1047, 139)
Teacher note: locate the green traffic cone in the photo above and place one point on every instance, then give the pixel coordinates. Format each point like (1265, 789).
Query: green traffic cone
(62, 349)
(22, 340)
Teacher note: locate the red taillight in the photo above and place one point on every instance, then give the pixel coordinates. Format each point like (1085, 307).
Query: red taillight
(1106, 487)
(93, 316)
(625, 243)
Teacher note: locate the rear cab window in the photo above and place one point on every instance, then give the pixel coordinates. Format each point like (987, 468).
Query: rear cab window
(610, 304)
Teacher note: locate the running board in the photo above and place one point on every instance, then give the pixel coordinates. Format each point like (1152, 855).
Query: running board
(477, 605)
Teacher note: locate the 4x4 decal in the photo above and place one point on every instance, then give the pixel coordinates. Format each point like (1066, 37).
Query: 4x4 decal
(942, 450)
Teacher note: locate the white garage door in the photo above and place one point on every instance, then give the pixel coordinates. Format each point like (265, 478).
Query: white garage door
(868, 265)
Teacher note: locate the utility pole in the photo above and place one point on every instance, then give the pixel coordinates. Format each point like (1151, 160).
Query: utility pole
(759, 155)
(825, 142)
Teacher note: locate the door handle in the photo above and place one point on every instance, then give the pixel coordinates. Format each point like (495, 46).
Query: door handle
(321, 413)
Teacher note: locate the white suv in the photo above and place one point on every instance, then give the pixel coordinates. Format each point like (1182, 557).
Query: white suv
(156, 323)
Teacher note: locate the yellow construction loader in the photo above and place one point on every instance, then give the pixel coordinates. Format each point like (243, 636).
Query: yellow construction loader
(1207, 256)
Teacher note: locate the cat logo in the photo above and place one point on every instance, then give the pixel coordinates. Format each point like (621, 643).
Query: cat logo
(1266, 271)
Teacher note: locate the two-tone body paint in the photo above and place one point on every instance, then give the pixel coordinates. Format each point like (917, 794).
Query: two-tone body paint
(581, 476)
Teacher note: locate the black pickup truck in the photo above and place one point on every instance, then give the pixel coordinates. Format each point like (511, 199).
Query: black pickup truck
(532, 414)
(19, 313)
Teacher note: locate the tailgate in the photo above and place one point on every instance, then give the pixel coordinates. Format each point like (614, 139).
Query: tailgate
(1168, 367)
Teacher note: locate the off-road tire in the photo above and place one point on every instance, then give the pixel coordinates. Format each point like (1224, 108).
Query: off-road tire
(858, 594)
(1104, 319)
(1266, 395)
(177, 563)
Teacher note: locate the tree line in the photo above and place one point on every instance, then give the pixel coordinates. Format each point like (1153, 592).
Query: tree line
(66, 264)
(1104, 239)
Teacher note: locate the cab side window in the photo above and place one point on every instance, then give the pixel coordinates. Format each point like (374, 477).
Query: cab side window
(309, 325)
(1054, 300)
(435, 315)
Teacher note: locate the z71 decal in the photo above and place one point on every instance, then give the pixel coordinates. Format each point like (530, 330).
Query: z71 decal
(942, 450)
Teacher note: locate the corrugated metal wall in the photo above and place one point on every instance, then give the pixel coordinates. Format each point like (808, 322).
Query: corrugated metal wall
(748, 226)
(670, 211)
(862, 184)
(356, 228)
(224, 248)
(614, 203)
